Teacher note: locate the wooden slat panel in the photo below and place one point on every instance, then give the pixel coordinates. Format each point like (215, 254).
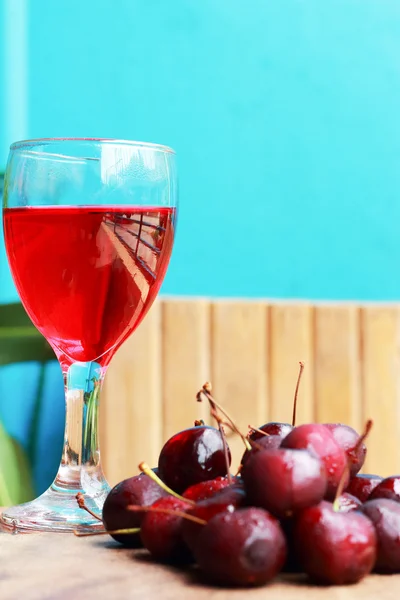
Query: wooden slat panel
(229, 345)
(239, 359)
(381, 387)
(337, 365)
(186, 362)
(291, 341)
(131, 412)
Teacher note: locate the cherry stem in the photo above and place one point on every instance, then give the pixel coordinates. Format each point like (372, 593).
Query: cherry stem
(166, 511)
(296, 392)
(226, 453)
(206, 391)
(199, 423)
(255, 446)
(224, 442)
(363, 436)
(247, 442)
(340, 487)
(114, 532)
(144, 468)
(255, 429)
(81, 503)
(346, 470)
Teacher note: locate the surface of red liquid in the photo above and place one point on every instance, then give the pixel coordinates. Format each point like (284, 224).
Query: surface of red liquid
(88, 275)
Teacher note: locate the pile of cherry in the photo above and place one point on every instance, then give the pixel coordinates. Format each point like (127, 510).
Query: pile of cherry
(297, 504)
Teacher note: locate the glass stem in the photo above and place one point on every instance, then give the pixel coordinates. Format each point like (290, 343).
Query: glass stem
(80, 469)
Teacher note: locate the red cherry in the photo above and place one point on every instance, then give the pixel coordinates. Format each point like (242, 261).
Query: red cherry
(292, 564)
(320, 441)
(206, 489)
(273, 428)
(244, 548)
(387, 488)
(385, 515)
(266, 442)
(334, 548)
(347, 438)
(346, 502)
(139, 490)
(284, 480)
(227, 500)
(361, 486)
(161, 533)
(192, 456)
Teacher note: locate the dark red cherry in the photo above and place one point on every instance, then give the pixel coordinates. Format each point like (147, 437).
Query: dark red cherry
(320, 441)
(139, 490)
(205, 489)
(334, 548)
(284, 480)
(361, 486)
(273, 428)
(347, 438)
(192, 456)
(161, 533)
(387, 488)
(243, 548)
(292, 564)
(385, 515)
(266, 442)
(346, 502)
(227, 500)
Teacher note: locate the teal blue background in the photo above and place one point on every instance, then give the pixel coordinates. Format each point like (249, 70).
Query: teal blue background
(284, 114)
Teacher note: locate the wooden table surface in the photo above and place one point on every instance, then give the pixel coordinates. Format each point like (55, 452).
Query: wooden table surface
(63, 567)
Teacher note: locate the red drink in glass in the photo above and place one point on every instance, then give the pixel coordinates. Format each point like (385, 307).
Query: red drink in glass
(88, 275)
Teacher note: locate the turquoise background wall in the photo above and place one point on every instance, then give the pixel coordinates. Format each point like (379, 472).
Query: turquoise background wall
(284, 113)
(285, 116)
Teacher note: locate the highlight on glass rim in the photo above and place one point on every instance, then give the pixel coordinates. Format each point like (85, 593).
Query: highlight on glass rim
(199, 308)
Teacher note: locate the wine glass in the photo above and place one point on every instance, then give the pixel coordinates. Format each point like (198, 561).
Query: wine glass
(89, 227)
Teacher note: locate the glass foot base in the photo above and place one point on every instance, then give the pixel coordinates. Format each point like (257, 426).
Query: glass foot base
(57, 511)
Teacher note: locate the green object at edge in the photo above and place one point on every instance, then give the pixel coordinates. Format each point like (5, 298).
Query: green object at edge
(20, 341)
(15, 476)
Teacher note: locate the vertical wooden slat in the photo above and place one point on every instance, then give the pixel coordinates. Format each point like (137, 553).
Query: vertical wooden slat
(239, 359)
(291, 341)
(186, 362)
(381, 387)
(131, 411)
(337, 385)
